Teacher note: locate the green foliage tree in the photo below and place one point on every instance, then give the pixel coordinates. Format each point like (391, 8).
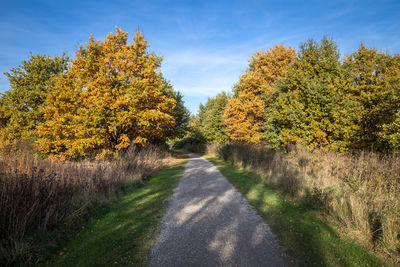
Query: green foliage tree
(391, 134)
(374, 94)
(180, 113)
(21, 106)
(193, 136)
(210, 119)
(306, 107)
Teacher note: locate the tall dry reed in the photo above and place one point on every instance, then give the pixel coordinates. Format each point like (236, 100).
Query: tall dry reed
(360, 192)
(38, 194)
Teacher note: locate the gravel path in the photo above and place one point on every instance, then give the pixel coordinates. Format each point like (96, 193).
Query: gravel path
(208, 223)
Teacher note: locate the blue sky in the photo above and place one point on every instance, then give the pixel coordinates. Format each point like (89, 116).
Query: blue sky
(205, 44)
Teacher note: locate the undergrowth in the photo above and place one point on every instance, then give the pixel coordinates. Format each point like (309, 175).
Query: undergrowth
(308, 238)
(37, 195)
(358, 193)
(123, 232)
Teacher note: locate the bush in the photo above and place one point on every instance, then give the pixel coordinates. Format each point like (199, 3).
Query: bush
(191, 144)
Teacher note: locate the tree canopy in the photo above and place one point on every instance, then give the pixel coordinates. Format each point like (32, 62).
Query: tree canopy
(245, 113)
(21, 106)
(316, 98)
(305, 105)
(111, 95)
(210, 120)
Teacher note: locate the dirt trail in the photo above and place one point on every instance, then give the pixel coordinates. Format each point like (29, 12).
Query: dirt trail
(209, 223)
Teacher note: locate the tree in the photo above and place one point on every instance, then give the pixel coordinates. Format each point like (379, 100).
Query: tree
(374, 90)
(265, 69)
(244, 118)
(307, 107)
(180, 113)
(245, 112)
(391, 134)
(111, 97)
(20, 106)
(211, 122)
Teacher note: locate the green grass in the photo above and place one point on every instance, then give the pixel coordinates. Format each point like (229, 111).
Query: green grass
(308, 239)
(124, 231)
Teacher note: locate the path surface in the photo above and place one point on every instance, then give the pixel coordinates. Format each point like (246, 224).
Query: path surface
(208, 223)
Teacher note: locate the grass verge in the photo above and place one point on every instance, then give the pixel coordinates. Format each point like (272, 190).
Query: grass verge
(123, 232)
(308, 239)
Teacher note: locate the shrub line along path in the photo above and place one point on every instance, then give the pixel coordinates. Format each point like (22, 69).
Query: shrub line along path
(209, 223)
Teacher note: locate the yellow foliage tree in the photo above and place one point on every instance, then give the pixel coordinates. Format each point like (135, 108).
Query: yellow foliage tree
(244, 116)
(111, 96)
(245, 112)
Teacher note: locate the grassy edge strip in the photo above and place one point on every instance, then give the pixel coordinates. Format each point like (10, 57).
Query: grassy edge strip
(124, 231)
(309, 240)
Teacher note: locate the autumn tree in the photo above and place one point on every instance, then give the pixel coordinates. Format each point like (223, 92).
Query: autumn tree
(111, 97)
(245, 113)
(244, 117)
(20, 106)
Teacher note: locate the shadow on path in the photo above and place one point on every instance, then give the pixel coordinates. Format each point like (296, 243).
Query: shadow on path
(209, 223)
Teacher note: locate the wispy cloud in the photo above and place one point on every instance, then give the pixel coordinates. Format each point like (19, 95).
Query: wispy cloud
(203, 72)
(339, 13)
(209, 71)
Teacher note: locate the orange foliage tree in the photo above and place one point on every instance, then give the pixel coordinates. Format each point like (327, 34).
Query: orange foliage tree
(111, 96)
(245, 112)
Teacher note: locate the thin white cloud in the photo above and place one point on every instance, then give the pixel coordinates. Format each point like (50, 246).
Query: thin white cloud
(339, 13)
(203, 72)
(207, 72)
(193, 57)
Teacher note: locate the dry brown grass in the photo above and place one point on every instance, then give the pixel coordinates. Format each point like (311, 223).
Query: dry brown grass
(38, 194)
(360, 193)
